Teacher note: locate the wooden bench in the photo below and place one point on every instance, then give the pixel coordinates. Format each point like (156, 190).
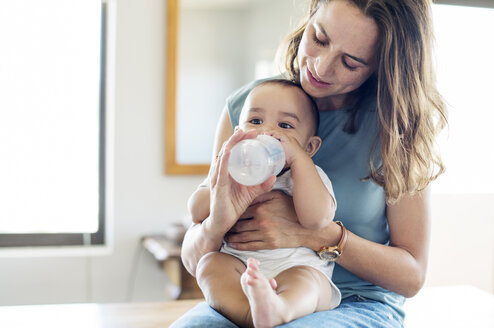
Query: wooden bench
(448, 306)
(128, 315)
(452, 307)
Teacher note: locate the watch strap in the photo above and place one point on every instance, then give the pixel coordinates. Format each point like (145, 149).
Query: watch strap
(343, 239)
(332, 253)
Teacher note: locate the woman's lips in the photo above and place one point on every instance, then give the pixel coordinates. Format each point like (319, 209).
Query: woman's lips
(315, 82)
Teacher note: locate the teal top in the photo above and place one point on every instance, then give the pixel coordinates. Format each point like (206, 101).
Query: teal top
(361, 204)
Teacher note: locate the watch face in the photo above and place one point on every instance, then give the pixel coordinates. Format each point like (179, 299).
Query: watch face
(330, 254)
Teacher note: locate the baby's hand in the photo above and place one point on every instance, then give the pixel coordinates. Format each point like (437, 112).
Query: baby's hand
(291, 146)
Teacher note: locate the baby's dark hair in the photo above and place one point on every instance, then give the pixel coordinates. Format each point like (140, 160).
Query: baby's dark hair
(312, 103)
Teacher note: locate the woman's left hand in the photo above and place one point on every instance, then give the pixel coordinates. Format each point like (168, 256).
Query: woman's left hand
(269, 223)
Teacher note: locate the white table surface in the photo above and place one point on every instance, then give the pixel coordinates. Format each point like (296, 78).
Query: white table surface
(451, 307)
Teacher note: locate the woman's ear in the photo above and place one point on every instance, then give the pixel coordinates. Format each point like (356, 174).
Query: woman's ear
(313, 145)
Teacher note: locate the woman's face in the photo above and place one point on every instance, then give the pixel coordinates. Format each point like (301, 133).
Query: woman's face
(337, 53)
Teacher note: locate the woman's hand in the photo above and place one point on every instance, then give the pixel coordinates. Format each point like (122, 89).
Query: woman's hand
(230, 199)
(269, 223)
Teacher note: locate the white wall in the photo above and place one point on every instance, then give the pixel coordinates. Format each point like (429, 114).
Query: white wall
(211, 48)
(146, 200)
(219, 48)
(462, 241)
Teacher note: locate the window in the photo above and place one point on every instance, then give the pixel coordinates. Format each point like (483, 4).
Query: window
(52, 122)
(465, 72)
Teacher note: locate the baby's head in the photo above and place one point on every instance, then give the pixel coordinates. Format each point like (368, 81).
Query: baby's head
(282, 105)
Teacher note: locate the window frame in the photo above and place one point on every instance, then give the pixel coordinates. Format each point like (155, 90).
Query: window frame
(467, 3)
(80, 238)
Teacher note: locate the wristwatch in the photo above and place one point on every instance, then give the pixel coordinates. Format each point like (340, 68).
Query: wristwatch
(332, 253)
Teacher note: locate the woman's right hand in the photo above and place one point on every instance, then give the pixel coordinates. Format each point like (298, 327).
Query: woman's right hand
(230, 199)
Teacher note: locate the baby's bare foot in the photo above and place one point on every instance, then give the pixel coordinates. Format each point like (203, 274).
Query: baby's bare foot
(265, 304)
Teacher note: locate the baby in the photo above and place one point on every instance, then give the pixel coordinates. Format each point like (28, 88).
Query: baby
(266, 288)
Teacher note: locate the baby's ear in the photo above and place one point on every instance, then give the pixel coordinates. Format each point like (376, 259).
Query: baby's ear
(313, 145)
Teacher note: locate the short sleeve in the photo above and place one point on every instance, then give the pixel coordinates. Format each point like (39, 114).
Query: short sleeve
(325, 179)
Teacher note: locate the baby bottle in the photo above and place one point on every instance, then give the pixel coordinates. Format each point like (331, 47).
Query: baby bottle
(252, 161)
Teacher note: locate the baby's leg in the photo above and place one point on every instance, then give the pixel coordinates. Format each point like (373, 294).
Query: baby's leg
(301, 290)
(218, 275)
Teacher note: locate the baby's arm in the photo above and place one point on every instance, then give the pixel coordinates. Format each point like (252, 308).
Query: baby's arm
(314, 205)
(199, 203)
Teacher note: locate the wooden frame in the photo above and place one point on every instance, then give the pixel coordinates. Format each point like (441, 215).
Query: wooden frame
(171, 164)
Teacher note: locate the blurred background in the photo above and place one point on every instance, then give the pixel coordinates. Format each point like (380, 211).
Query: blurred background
(62, 242)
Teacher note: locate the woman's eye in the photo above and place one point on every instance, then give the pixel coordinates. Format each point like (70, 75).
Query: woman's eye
(317, 40)
(285, 126)
(255, 121)
(318, 37)
(348, 66)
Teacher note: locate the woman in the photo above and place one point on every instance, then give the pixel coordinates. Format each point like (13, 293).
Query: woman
(368, 66)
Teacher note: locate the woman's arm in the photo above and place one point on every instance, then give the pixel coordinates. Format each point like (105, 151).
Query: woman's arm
(229, 200)
(198, 203)
(399, 267)
(198, 241)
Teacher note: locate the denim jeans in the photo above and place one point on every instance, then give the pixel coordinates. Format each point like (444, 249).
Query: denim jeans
(353, 312)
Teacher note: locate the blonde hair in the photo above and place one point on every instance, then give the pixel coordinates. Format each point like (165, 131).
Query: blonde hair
(411, 111)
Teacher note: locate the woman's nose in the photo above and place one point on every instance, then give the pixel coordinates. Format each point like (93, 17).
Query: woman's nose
(325, 64)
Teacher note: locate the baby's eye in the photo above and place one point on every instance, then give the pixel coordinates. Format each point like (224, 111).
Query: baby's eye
(255, 121)
(285, 126)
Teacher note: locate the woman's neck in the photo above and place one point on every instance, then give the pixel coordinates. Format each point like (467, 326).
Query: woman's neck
(333, 102)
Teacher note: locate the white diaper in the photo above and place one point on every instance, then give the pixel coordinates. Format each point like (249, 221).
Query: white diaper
(274, 261)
